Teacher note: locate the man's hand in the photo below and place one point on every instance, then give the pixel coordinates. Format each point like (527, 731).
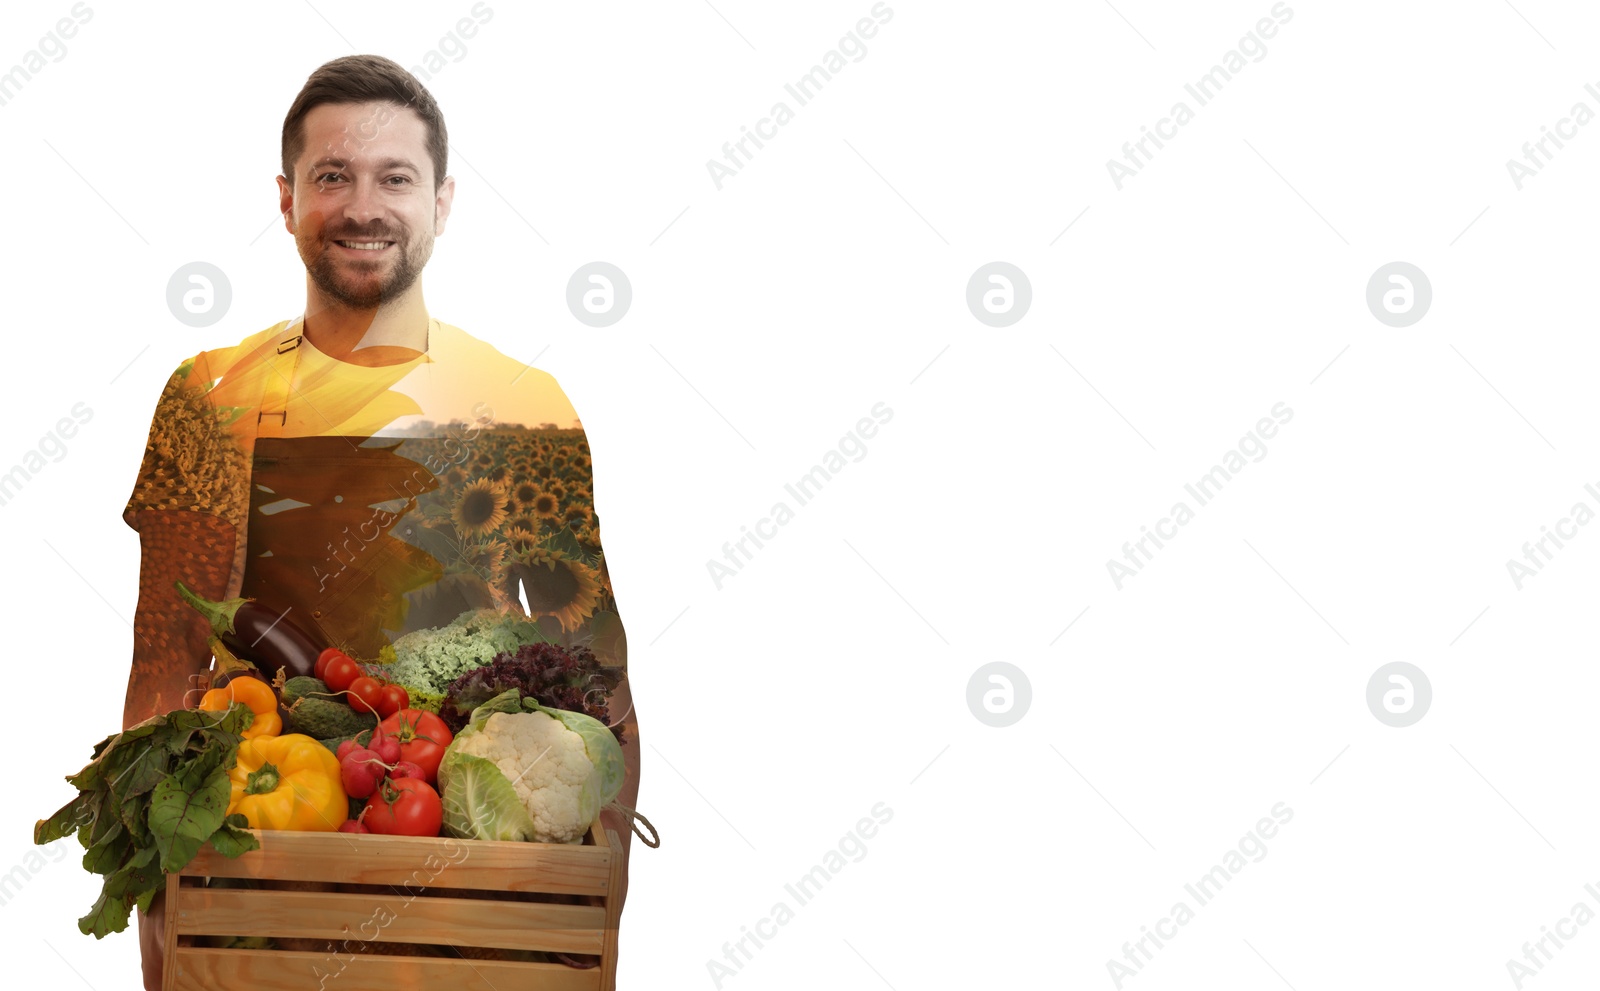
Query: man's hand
(622, 701)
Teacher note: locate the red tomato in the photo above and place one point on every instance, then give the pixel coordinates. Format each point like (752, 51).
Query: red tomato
(393, 699)
(423, 737)
(364, 694)
(339, 673)
(405, 807)
(322, 662)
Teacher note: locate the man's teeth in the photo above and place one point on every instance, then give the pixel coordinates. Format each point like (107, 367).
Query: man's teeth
(368, 245)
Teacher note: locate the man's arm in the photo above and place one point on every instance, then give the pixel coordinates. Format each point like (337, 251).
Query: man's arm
(169, 642)
(622, 701)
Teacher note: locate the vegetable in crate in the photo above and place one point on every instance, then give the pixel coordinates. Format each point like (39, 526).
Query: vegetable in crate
(426, 661)
(325, 718)
(287, 782)
(404, 807)
(520, 771)
(295, 689)
(422, 736)
(252, 693)
(559, 677)
(258, 634)
(151, 797)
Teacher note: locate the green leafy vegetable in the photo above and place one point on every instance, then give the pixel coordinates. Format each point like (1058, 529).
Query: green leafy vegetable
(426, 661)
(150, 798)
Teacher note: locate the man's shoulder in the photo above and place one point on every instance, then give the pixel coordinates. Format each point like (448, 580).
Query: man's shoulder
(463, 349)
(212, 363)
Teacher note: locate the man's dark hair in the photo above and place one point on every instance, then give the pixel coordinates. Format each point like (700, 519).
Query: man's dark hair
(363, 79)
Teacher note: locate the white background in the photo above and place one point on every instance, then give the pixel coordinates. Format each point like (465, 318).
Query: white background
(768, 317)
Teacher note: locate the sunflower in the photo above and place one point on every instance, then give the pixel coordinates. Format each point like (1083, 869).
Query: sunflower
(576, 515)
(500, 475)
(542, 470)
(556, 585)
(545, 506)
(455, 476)
(480, 509)
(486, 557)
(522, 541)
(525, 493)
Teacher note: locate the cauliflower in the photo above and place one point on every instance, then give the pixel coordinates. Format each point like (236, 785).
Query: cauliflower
(547, 765)
(520, 770)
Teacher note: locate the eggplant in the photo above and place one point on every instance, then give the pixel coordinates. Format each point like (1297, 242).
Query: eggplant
(259, 634)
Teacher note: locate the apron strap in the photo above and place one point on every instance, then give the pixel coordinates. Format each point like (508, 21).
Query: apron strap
(273, 414)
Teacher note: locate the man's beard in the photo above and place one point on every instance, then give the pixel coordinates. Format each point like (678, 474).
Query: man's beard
(351, 284)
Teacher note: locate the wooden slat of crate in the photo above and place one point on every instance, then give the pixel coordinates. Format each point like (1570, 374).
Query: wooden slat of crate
(333, 915)
(362, 858)
(198, 969)
(613, 910)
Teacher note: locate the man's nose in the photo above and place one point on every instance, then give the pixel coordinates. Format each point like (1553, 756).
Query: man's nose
(365, 203)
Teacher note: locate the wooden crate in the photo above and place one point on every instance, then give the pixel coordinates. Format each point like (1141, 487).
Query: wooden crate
(438, 892)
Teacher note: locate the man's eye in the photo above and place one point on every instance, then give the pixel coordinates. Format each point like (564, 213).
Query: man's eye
(400, 177)
(324, 177)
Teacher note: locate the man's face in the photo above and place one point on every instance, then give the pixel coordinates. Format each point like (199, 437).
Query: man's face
(363, 209)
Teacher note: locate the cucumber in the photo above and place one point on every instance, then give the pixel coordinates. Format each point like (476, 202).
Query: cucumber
(302, 687)
(326, 718)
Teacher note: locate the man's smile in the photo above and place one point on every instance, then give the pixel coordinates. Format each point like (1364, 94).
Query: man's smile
(365, 247)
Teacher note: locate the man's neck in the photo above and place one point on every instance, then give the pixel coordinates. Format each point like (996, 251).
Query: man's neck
(388, 335)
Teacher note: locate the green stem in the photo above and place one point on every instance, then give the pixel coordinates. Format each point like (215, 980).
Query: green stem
(218, 614)
(263, 779)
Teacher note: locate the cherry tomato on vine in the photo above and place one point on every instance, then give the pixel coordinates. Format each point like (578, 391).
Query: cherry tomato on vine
(339, 673)
(364, 694)
(323, 658)
(392, 700)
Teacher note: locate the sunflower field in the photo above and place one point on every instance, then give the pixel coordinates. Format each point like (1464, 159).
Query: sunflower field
(513, 525)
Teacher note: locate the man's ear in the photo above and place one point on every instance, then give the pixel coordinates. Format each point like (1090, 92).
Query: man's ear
(441, 204)
(286, 203)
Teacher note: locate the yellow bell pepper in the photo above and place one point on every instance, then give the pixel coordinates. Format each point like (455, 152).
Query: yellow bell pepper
(253, 693)
(288, 782)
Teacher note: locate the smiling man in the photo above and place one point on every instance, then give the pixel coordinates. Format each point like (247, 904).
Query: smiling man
(365, 469)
